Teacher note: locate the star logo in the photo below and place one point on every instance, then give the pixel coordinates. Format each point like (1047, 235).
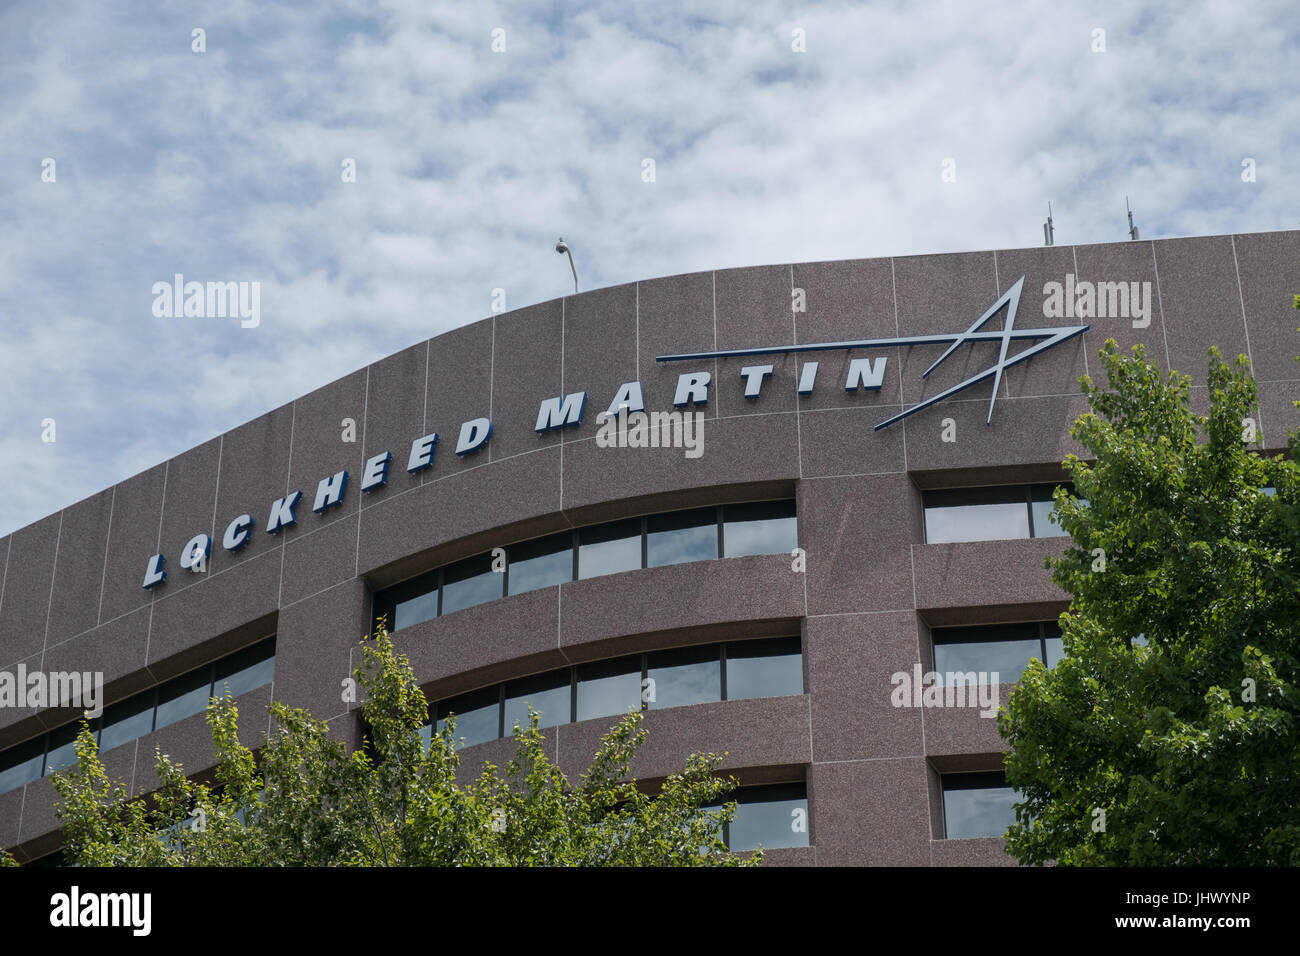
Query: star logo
(1044, 339)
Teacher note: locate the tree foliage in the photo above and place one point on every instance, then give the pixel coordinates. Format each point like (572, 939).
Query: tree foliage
(1181, 746)
(305, 800)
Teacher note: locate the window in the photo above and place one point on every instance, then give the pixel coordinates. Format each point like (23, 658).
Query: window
(183, 697)
(245, 671)
(478, 716)
(1004, 649)
(609, 548)
(470, 582)
(764, 669)
(977, 805)
(61, 752)
(688, 675)
(681, 536)
(767, 817)
(417, 609)
(22, 764)
(540, 564)
(609, 688)
(127, 721)
(766, 527)
(676, 537)
(551, 695)
(991, 514)
(140, 714)
(767, 667)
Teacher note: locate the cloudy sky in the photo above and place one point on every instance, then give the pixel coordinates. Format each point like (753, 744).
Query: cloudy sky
(227, 165)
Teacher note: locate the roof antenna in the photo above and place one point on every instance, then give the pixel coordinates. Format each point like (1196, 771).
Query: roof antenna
(562, 247)
(1049, 234)
(1132, 229)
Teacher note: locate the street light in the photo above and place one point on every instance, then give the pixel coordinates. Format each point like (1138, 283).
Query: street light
(563, 248)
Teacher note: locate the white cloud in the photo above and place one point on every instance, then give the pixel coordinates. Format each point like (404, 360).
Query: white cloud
(225, 166)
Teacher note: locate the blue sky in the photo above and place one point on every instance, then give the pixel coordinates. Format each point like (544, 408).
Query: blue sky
(225, 166)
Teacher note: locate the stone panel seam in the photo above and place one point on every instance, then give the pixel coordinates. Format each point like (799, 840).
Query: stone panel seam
(216, 491)
(424, 414)
(365, 417)
(911, 553)
(54, 574)
(713, 275)
(1161, 300)
(103, 576)
(153, 593)
(288, 479)
(898, 366)
(1074, 254)
(1241, 297)
(492, 378)
(285, 607)
(22, 806)
(798, 428)
(637, 327)
(9, 546)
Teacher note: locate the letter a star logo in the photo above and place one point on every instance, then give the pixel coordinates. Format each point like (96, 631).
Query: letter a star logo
(1010, 300)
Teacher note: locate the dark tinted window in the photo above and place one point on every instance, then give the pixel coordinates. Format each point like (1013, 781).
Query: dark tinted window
(1004, 649)
(549, 694)
(672, 538)
(137, 716)
(609, 688)
(768, 817)
(541, 563)
(62, 752)
(422, 607)
(772, 668)
(183, 697)
(471, 582)
(246, 671)
(766, 527)
(478, 716)
(976, 514)
(689, 675)
(977, 805)
(682, 536)
(127, 721)
(609, 548)
(21, 764)
(1043, 510)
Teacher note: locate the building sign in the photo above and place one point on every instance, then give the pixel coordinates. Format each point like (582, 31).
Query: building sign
(861, 371)
(692, 389)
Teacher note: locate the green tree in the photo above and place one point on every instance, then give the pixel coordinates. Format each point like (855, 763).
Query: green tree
(1167, 735)
(305, 800)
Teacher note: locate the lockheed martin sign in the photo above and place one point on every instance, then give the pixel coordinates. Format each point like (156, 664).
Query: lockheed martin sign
(692, 390)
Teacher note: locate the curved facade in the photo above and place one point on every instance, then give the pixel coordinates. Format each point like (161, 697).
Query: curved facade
(888, 578)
